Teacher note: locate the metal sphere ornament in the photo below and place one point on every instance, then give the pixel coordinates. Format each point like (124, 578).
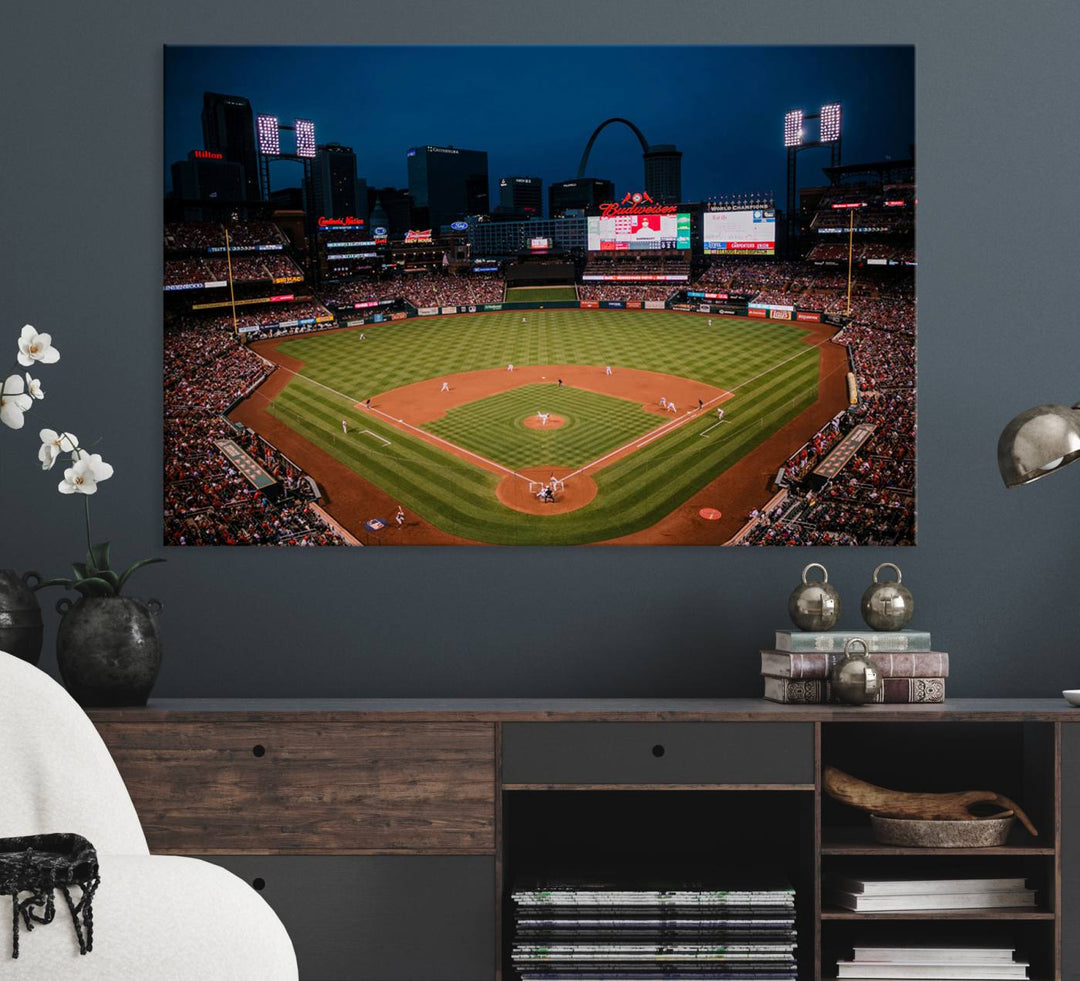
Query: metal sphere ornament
(855, 679)
(814, 605)
(887, 605)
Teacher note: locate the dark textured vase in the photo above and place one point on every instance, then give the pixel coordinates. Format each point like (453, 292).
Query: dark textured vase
(20, 616)
(108, 649)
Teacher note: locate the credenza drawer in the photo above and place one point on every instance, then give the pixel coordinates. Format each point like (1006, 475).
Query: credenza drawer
(229, 788)
(695, 753)
(381, 918)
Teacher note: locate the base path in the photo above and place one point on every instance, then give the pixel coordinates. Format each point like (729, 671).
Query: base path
(423, 402)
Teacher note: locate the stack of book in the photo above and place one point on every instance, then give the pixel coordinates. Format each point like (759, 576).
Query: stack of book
(796, 671)
(903, 894)
(580, 931)
(939, 963)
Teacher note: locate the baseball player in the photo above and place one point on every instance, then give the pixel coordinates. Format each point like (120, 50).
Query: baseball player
(719, 415)
(671, 407)
(445, 387)
(663, 402)
(344, 427)
(700, 405)
(510, 366)
(400, 516)
(607, 370)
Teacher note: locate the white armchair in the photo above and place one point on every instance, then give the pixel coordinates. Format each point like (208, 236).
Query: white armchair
(156, 918)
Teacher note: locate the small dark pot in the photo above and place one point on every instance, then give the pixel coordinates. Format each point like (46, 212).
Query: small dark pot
(108, 649)
(21, 628)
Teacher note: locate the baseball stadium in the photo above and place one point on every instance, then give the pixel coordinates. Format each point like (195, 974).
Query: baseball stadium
(634, 369)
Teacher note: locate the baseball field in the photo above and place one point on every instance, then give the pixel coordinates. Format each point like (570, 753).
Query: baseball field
(464, 444)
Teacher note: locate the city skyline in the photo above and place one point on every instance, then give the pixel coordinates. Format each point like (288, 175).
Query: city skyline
(460, 96)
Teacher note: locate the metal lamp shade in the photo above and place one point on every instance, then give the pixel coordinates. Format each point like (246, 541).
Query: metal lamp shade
(1038, 442)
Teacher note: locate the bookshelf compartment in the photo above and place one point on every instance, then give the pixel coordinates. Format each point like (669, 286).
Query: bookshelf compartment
(1011, 758)
(709, 836)
(1033, 939)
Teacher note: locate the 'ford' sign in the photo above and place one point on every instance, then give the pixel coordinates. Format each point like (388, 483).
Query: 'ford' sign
(459, 226)
(380, 232)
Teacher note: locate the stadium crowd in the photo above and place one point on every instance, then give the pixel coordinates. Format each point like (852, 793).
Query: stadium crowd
(207, 501)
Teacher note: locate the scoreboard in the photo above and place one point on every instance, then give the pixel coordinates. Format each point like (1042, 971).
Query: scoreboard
(639, 232)
(750, 232)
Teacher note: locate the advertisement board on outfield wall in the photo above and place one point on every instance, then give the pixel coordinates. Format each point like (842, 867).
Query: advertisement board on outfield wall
(448, 309)
(807, 315)
(590, 304)
(756, 312)
(492, 307)
(655, 305)
(427, 311)
(612, 305)
(777, 314)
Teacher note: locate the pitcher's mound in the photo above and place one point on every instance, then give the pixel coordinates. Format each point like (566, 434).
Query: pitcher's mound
(515, 492)
(535, 422)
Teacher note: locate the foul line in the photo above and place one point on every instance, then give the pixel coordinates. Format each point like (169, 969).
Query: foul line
(713, 426)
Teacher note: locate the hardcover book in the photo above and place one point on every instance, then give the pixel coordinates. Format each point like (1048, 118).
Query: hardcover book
(833, 641)
(816, 664)
(895, 691)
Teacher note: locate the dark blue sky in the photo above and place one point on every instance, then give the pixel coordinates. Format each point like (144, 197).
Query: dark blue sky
(533, 107)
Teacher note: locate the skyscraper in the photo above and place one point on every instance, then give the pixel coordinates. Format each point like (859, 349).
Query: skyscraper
(450, 183)
(206, 185)
(522, 194)
(581, 194)
(336, 190)
(663, 173)
(229, 129)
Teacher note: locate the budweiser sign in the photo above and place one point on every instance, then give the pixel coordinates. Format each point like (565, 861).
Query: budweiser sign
(638, 203)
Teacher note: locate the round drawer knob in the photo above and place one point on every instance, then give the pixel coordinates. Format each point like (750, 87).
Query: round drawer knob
(658, 751)
(258, 884)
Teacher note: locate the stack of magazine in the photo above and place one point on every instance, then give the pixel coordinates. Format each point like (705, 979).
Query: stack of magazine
(900, 893)
(602, 931)
(938, 963)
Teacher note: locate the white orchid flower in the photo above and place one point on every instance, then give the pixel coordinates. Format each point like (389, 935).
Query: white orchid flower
(14, 401)
(83, 476)
(36, 347)
(53, 444)
(33, 387)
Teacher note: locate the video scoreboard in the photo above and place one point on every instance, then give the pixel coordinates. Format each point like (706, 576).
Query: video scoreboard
(750, 232)
(639, 232)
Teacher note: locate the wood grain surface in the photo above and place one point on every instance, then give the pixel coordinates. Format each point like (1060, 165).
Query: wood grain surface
(215, 787)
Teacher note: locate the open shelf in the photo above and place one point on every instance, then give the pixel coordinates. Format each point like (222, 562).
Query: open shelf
(860, 841)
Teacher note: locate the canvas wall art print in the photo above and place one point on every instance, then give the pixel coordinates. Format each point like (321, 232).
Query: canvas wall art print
(539, 295)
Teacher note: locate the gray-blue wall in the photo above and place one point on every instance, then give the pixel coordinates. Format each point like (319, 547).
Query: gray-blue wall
(995, 576)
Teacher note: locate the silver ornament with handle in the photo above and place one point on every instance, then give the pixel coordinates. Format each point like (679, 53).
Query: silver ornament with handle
(887, 605)
(814, 605)
(855, 679)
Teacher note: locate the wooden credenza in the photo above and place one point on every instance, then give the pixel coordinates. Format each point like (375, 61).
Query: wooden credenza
(387, 833)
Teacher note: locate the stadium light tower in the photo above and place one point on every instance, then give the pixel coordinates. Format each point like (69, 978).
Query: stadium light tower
(268, 129)
(795, 141)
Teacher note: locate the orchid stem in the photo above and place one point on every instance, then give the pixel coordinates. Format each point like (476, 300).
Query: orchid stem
(89, 547)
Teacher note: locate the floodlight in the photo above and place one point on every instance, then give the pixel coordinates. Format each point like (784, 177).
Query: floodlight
(305, 138)
(269, 138)
(793, 128)
(830, 123)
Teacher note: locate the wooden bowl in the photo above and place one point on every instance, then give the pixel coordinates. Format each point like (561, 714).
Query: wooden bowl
(913, 832)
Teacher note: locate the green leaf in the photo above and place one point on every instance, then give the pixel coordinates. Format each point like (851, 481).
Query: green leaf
(97, 559)
(94, 587)
(80, 570)
(138, 565)
(66, 583)
(110, 577)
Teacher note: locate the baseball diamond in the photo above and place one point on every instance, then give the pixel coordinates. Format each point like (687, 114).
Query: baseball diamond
(641, 466)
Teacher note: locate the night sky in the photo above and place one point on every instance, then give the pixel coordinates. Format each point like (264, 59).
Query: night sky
(533, 107)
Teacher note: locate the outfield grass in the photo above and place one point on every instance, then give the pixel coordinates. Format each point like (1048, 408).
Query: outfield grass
(773, 373)
(494, 426)
(539, 294)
